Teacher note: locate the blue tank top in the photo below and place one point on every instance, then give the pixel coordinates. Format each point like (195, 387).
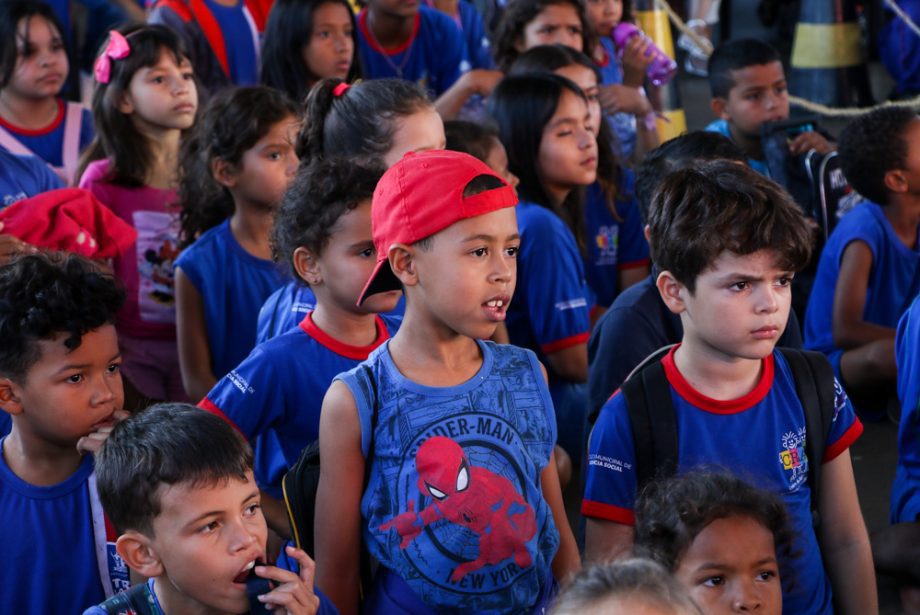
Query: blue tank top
(454, 504)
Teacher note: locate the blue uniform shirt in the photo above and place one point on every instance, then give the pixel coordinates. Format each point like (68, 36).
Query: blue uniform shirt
(24, 176)
(893, 280)
(280, 387)
(760, 436)
(242, 55)
(431, 57)
(721, 127)
(905, 492)
(233, 285)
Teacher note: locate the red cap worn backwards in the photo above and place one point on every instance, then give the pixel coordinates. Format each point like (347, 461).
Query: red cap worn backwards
(421, 195)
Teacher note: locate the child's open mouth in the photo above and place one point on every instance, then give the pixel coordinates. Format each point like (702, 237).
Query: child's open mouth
(496, 308)
(245, 572)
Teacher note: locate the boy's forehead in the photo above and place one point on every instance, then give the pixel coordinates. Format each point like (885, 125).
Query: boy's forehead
(186, 501)
(757, 76)
(754, 264)
(500, 224)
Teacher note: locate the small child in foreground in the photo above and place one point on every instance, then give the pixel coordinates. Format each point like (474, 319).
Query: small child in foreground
(462, 506)
(59, 380)
(177, 483)
(719, 536)
(627, 587)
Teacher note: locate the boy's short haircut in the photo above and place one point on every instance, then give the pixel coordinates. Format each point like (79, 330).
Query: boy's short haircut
(423, 194)
(719, 206)
(737, 55)
(477, 140)
(47, 294)
(319, 195)
(167, 444)
(670, 513)
(637, 578)
(873, 144)
(679, 153)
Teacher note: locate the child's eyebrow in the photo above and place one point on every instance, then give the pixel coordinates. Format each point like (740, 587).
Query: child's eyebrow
(71, 366)
(563, 120)
(485, 237)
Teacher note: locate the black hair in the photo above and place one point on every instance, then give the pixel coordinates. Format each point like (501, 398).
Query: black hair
(671, 513)
(736, 55)
(719, 206)
(519, 13)
(166, 444)
(288, 32)
(11, 13)
(319, 195)
(477, 140)
(550, 58)
(872, 145)
(44, 295)
(679, 153)
(116, 137)
(232, 123)
(635, 579)
(360, 121)
(522, 105)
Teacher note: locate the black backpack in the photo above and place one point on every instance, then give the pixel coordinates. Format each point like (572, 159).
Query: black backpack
(654, 424)
(300, 485)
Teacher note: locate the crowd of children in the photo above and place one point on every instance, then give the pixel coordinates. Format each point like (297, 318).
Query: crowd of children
(433, 258)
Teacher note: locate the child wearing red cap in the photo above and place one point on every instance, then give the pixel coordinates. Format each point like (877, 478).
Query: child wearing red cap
(462, 506)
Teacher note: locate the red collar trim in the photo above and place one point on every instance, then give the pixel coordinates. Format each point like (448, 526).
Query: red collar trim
(358, 353)
(718, 406)
(606, 61)
(25, 132)
(372, 41)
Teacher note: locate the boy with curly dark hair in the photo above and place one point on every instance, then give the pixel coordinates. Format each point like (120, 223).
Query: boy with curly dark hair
(59, 380)
(869, 270)
(323, 232)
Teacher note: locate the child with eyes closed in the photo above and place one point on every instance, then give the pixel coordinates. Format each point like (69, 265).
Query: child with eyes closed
(374, 122)
(145, 101)
(544, 124)
(235, 170)
(720, 537)
(34, 119)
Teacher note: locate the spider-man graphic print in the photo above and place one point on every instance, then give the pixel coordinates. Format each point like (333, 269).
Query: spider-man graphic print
(454, 504)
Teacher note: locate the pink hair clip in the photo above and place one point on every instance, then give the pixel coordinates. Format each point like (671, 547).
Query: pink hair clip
(116, 49)
(340, 89)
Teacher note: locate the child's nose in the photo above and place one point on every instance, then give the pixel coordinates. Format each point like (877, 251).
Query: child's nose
(747, 599)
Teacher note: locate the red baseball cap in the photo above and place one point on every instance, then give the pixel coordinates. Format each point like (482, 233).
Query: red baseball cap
(421, 195)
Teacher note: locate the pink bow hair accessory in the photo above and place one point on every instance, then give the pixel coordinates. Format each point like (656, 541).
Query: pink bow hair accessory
(116, 49)
(340, 89)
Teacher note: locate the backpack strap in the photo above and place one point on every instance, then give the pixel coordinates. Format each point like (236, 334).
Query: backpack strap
(136, 601)
(816, 388)
(652, 418)
(70, 153)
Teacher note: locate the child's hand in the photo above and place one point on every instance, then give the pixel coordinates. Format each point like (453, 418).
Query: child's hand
(482, 81)
(294, 593)
(93, 441)
(636, 61)
(623, 99)
(810, 140)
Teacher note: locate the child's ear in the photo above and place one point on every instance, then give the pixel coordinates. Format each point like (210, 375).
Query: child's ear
(9, 397)
(718, 105)
(895, 181)
(647, 231)
(306, 266)
(671, 291)
(125, 104)
(224, 173)
(139, 554)
(403, 264)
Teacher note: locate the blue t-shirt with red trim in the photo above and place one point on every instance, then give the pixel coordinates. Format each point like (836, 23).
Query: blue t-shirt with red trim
(905, 492)
(454, 508)
(48, 143)
(894, 279)
(242, 54)
(477, 50)
(50, 546)
(613, 245)
(233, 285)
(760, 437)
(431, 57)
(284, 310)
(280, 387)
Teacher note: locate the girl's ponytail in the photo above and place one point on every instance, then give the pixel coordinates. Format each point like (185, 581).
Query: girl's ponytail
(317, 108)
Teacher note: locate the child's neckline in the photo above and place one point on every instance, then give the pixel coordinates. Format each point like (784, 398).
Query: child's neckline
(36, 132)
(474, 381)
(719, 406)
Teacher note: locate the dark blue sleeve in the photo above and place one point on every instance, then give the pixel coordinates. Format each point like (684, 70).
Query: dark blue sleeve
(610, 477)
(633, 251)
(450, 47)
(87, 129)
(555, 293)
(477, 43)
